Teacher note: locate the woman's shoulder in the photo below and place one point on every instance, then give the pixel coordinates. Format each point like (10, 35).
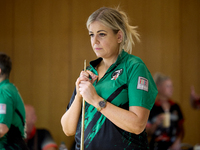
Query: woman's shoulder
(133, 59)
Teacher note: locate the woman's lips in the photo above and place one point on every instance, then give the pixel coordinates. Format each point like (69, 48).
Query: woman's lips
(97, 49)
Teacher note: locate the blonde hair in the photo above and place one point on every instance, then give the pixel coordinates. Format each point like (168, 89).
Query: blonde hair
(116, 20)
(159, 78)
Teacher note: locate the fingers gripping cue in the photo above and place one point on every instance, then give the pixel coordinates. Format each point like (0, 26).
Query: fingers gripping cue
(83, 117)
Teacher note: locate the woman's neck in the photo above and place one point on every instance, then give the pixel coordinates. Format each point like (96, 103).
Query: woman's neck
(104, 66)
(108, 62)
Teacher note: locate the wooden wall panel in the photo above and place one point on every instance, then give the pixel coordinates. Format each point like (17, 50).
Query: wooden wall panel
(190, 63)
(48, 42)
(22, 42)
(6, 27)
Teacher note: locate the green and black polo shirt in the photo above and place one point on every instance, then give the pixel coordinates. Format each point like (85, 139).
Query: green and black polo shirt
(12, 113)
(126, 83)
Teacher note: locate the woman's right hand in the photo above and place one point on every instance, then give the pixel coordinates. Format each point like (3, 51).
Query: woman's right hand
(84, 76)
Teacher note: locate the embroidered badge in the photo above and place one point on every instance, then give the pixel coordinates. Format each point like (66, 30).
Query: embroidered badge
(116, 74)
(2, 108)
(143, 84)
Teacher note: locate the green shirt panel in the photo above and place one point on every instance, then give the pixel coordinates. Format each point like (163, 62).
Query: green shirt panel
(10, 97)
(6, 100)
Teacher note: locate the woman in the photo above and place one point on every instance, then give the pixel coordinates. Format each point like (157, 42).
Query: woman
(118, 89)
(165, 123)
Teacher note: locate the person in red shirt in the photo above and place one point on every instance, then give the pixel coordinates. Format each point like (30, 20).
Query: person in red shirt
(39, 139)
(165, 124)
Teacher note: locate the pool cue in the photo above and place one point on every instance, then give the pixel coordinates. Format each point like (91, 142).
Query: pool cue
(83, 117)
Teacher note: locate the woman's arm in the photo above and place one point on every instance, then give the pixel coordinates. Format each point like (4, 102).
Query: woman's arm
(133, 121)
(70, 118)
(3, 129)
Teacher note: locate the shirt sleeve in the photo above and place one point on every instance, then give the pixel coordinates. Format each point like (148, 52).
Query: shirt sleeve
(6, 108)
(72, 99)
(142, 90)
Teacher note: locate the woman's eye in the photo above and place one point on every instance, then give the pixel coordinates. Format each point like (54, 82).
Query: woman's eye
(91, 35)
(102, 34)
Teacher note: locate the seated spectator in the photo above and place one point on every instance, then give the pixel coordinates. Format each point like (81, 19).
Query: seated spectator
(165, 124)
(37, 139)
(194, 99)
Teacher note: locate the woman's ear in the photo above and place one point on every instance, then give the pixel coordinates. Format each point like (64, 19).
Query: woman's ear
(119, 36)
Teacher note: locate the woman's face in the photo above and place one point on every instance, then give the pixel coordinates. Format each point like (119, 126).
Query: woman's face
(166, 88)
(103, 40)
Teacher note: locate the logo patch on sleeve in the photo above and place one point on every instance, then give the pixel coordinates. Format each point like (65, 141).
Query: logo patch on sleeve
(2, 108)
(143, 84)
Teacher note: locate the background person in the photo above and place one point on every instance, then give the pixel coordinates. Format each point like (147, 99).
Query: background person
(121, 91)
(12, 112)
(37, 139)
(164, 137)
(194, 99)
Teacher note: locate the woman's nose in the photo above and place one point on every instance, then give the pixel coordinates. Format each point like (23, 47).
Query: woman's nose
(95, 40)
